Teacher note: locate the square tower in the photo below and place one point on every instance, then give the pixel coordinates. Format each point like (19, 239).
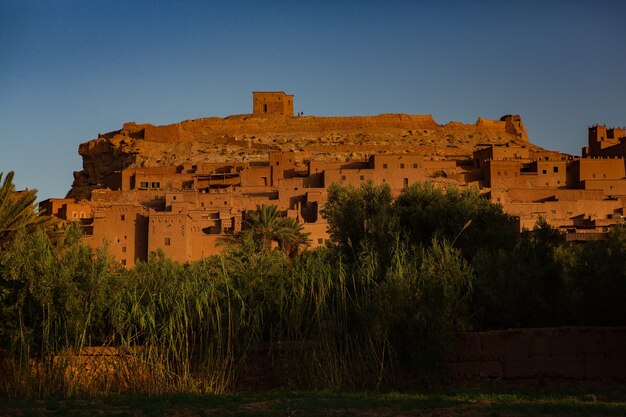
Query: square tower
(272, 102)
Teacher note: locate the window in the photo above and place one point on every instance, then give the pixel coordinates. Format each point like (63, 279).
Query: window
(156, 184)
(401, 166)
(555, 169)
(406, 182)
(320, 241)
(143, 184)
(265, 108)
(343, 178)
(122, 217)
(544, 171)
(414, 165)
(123, 249)
(202, 204)
(362, 177)
(82, 214)
(173, 197)
(123, 261)
(384, 166)
(167, 241)
(74, 215)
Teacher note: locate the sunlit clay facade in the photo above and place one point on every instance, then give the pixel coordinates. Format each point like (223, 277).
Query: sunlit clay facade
(187, 210)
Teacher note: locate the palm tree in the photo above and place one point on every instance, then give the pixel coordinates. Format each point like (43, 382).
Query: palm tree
(266, 225)
(17, 209)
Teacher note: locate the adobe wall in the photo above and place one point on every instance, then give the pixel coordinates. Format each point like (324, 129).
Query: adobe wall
(507, 125)
(608, 187)
(525, 195)
(236, 125)
(272, 102)
(568, 353)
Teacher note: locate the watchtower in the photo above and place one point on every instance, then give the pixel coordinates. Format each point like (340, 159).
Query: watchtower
(272, 102)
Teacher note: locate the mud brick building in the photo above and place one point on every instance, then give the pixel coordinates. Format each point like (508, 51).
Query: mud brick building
(186, 209)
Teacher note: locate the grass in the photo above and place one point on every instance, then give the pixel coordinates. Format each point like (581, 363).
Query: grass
(480, 402)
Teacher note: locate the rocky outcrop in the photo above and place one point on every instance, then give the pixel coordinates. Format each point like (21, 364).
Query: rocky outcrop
(248, 138)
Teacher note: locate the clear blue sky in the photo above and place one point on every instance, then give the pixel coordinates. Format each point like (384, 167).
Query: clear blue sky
(72, 69)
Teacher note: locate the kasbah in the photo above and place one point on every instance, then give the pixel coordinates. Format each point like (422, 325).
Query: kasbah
(182, 188)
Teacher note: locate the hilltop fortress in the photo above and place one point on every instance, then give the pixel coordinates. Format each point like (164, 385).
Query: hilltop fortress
(181, 188)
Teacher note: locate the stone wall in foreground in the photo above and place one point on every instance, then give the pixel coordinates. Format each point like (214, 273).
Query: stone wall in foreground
(577, 353)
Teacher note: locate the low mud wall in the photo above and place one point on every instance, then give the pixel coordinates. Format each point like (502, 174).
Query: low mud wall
(576, 353)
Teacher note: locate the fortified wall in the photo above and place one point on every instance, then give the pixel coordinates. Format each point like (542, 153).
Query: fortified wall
(249, 137)
(562, 353)
(183, 188)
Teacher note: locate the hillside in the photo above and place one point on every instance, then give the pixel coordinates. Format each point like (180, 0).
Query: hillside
(249, 138)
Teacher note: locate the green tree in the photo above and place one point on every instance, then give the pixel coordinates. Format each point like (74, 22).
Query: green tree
(17, 209)
(361, 217)
(522, 287)
(428, 212)
(266, 225)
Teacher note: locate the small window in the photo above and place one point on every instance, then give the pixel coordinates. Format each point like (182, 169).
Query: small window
(202, 204)
(406, 182)
(122, 217)
(362, 177)
(384, 180)
(82, 214)
(123, 249)
(343, 178)
(401, 166)
(320, 241)
(156, 184)
(604, 175)
(384, 166)
(167, 241)
(414, 165)
(74, 214)
(555, 169)
(544, 171)
(277, 163)
(173, 197)
(594, 175)
(123, 261)
(143, 184)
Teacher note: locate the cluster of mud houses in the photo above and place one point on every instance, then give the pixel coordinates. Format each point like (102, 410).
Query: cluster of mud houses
(187, 210)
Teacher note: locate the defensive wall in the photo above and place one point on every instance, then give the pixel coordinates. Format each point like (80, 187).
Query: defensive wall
(578, 355)
(562, 353)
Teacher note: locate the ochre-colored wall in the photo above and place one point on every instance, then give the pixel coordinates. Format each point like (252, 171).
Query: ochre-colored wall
(272, 102)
